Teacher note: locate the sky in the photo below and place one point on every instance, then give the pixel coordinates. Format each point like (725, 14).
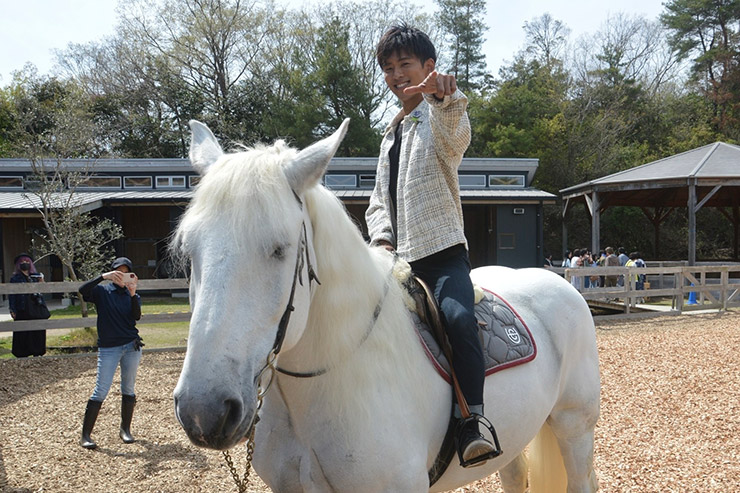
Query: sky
(30, 30)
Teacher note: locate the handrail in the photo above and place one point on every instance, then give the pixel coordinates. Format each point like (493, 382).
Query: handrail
(687, 279)
(74, 286)
(76, 322)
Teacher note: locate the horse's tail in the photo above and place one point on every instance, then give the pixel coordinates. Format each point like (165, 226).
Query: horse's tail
(546, 467)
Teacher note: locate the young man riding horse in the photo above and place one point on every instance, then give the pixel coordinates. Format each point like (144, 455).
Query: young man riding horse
(415, 208)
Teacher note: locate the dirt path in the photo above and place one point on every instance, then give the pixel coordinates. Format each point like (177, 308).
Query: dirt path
(670, 418)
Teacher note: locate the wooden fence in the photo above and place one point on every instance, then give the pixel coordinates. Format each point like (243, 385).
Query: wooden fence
(714, 286)
(76, 322)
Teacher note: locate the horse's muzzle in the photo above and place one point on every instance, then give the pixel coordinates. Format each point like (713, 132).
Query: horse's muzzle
(211, 422)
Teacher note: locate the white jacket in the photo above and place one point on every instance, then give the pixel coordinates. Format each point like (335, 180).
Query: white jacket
(436, 134)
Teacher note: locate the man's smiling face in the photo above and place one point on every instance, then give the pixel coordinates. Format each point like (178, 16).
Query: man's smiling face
(403, 70)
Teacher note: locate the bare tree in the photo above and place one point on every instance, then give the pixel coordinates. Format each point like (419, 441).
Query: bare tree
(547, 39)
(81, 242)
(213, 42)
(627, 48)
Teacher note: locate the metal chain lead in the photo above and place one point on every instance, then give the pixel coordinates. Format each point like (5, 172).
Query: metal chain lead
(243, 482)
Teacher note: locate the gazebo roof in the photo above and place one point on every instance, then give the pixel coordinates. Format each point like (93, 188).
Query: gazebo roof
(665, 182)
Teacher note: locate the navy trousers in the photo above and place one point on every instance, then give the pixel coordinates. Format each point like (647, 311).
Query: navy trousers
(448, 274)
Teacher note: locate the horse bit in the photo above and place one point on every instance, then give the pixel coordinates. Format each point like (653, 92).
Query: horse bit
(243, 482)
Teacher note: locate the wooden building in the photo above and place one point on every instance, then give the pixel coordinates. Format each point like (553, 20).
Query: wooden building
(503, 213)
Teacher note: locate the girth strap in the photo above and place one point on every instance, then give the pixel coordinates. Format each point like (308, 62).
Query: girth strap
(445, 454)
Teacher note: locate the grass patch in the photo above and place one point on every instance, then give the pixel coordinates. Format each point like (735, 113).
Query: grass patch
(173, 334)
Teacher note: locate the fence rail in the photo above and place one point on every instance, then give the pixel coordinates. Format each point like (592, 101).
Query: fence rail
(714, 286)
(77, 322)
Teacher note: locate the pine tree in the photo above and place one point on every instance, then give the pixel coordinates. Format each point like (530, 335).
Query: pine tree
(459, 21)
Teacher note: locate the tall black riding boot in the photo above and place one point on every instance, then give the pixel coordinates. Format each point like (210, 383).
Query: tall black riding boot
(128, 402)
(91, 415)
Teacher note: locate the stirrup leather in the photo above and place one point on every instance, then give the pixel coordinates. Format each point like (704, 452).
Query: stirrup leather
(483, 457)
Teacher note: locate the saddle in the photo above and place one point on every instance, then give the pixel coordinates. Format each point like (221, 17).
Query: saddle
(504, 336)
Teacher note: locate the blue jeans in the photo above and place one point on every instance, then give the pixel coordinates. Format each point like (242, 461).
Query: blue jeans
(447, 273)
(108, 360)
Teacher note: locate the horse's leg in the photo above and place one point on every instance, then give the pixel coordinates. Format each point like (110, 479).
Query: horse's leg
(574, 430)
(514, 475)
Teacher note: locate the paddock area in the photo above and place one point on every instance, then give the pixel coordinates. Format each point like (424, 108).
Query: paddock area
(670, 410)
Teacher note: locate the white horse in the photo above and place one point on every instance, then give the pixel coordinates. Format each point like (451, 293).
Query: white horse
(370, 413)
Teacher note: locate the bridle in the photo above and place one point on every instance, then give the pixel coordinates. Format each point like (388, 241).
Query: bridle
(289, 308)
(242, 483)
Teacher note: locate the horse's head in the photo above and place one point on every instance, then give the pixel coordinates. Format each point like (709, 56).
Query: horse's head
(248, 238)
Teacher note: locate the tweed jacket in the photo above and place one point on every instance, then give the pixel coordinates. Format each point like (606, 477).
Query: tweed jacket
(429, 218)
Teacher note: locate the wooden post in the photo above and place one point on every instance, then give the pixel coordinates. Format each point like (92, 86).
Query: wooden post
(595, 222)
(691, 205)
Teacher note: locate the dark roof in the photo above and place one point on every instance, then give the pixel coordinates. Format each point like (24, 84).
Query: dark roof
(25, 201)
(105, 165)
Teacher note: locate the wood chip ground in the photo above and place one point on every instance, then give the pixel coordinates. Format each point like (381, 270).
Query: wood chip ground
(670, 419)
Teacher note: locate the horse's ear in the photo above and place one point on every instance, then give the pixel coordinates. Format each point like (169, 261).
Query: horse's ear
(310, 164)
(204, 148)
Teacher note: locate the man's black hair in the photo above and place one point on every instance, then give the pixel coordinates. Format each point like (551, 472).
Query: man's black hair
(409, 39)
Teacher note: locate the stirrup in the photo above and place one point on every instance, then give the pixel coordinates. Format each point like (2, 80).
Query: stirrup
(479, 460)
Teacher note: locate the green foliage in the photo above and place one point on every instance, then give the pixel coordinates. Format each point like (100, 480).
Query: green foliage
(341, 86)
(255, 72)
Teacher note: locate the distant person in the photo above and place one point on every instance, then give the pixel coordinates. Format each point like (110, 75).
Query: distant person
(566, 258)
(637, 261)
(586, 261)
(26, 307)
(576, 261)
(623, 258)
(594, 280)
(600, 263)
(611, 261)
(119, 307)
(548, 260)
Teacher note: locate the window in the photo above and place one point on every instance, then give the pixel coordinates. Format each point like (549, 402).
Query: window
(11, 182)
(100, 182)
(472, 181)
(341, 181)
(367, 181)
(506, 181)
(170, 182)
(137, 182)
(506, 241)
(194, 180)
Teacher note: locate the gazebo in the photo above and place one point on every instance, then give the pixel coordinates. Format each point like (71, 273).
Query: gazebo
(707, 176)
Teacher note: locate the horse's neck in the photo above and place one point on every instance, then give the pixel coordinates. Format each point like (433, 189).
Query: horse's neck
(352, 280)
(358, 327)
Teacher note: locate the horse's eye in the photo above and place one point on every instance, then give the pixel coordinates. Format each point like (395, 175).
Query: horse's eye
(278, 253)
